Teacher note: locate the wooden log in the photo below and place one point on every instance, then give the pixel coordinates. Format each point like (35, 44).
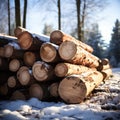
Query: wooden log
(18, 30)
(5, 39)
(57, 37)
(20, 95)
(13, 82)
(75, 88)
(49, 52)
(4, 63)
(15, 64)
(13, 51)
(2, 51)
(65, 69)
(73, 53)
(25, 77)
(53, 89)
(29, 58)
(39, 91)
(103, 67)
(30, 41)
(42, 71)
(107, 73)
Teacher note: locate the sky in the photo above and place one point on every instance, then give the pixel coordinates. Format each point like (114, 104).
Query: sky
(106, 20)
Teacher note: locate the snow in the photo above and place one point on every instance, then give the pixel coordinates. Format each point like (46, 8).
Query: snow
(102, 104)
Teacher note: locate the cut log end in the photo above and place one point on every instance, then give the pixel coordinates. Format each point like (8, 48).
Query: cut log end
(47, 52)
(67, 50)
(29, 58)
(36, 90)
(72, 90)
(11, 82)
(14, 65)
(8, 51)
(25, 40)
(61, 70)
(56, 37)
(40, 73)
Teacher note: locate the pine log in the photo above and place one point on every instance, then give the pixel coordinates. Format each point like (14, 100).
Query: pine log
(53, 89)
(57, 37)
(5, 39)
(20, 95)
(39, 91)
(107, 73)
(29, 58)
(18, 30)
(73, 53)
(13, 82)
(25, 76)
(15, 64)
(75, 88)
(65, 69)
(42, 71)
(4, 63)
(105, 61)
(103, 67)
(13, 51)
(29, 41)
(49, 52)
(2, 50)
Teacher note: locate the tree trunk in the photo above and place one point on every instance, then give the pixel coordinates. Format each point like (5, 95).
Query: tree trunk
(25, 13)
(74, 88)
(73, 53)
(17, 13)
(59, 15)
(42, 71)
(29, 41)
(66, 69)
(9, 17)
(49, 52)
(57, 37)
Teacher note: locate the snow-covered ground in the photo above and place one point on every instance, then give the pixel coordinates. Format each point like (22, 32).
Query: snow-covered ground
(102, 104)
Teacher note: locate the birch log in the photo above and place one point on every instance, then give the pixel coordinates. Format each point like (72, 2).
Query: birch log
(73, 53)
(74, 88)
(57, 37)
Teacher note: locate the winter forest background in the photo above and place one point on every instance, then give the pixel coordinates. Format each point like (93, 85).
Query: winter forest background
(75, 17)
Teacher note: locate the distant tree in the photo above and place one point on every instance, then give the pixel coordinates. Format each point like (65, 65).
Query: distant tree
(85, 9)
(9, 17)
(59, 14)
(17, 13)
(95, 41)
(25, 13)
(114, 48)
(47, 29)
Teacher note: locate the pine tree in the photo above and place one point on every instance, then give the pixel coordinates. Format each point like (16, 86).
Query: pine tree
(114, 48)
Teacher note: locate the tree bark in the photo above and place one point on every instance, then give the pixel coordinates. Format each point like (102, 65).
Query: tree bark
(49, 52)
(73, 53)
(74, 88)
(29, 41)
(57, 37)
(42, 71)
(66, 69)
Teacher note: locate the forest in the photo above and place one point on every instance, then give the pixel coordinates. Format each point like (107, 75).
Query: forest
(77, 18)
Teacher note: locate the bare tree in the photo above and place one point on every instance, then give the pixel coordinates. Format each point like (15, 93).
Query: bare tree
(9, 17)
(59, 15)
(17, 13)
(25, 13)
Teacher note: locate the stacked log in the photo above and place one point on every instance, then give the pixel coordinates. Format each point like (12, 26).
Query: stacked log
(58, 67)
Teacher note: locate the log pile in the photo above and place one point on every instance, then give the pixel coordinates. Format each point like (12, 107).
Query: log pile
(52, 68)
